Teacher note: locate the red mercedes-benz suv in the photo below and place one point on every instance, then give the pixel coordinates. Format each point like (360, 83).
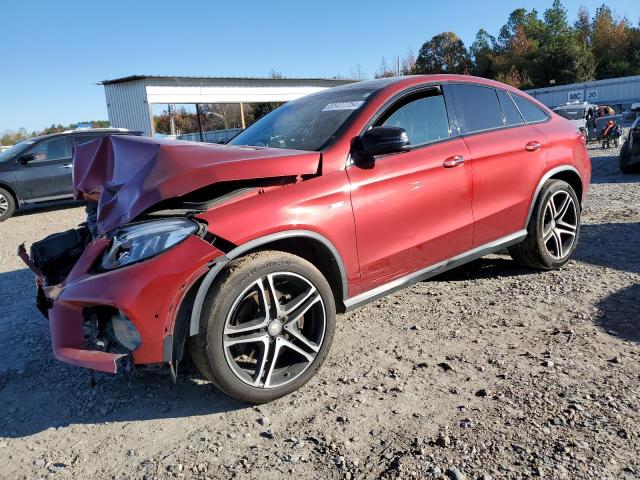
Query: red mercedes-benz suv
(244, 253)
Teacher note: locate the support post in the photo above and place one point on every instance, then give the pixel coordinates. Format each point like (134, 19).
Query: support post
(199, 122)
(242, 116)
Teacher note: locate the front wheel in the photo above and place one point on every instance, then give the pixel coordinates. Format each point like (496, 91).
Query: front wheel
(553, 229)
(7, 205)
(268, 322)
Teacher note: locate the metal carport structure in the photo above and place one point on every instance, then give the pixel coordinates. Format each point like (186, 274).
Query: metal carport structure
(130, 99)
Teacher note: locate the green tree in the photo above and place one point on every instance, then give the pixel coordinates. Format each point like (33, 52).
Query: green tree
(562, 57)
(444, 53)
(611, 42)
(483, 54)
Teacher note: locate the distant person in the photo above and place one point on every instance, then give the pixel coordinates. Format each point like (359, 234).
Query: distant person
(610, 132)
(590, 114)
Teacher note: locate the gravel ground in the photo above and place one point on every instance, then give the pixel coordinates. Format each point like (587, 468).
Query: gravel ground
(489, 371)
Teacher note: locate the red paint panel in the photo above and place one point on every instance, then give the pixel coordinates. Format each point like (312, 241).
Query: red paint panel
(321, 205)
(145, 292)
(411, 211)
(505, 176)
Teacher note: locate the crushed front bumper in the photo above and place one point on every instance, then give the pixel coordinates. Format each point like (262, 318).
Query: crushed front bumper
(149, 293)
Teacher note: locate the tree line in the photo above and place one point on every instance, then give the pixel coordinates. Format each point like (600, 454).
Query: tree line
(11, 137)
(532, 51)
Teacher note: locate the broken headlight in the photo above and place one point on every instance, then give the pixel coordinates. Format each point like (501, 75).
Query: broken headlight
(140, 241)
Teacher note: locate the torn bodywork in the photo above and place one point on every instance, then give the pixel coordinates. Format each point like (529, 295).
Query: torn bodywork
(128, 175)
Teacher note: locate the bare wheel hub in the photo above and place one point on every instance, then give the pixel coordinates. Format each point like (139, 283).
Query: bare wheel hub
(275, 327)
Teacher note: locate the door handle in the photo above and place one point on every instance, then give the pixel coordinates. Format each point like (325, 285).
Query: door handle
(453, 161)
(66, 166)
(532, 146)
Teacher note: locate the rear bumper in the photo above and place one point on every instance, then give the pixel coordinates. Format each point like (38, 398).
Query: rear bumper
(149, 293)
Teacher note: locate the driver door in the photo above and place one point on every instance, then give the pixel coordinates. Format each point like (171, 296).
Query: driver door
(48, 175)
(411, 211)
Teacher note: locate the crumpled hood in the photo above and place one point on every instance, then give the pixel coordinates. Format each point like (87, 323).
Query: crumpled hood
(128, 174)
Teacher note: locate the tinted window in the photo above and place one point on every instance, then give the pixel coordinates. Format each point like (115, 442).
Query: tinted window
(530, 112)
(477, 108)
(53, 149)
(576, 114)
(509, 110)
(80, 139)
(423, 116)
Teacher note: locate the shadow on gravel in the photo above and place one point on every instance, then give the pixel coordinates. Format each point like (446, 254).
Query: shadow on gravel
(484, 268)
(612, 245)
(48, 207)
(606, 168)
(38, 392)
(619, 314)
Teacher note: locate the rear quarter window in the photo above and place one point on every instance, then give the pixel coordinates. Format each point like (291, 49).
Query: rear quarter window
(530, 111)
(511, 113)
(477, 107)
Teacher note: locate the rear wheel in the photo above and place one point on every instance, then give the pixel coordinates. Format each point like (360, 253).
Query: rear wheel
(268, 322)
(7, 204)
(553, 229)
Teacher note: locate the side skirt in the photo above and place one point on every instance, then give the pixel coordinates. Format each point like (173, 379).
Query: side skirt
(433, 270)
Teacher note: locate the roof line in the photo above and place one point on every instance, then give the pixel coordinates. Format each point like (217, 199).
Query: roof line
(131, 78)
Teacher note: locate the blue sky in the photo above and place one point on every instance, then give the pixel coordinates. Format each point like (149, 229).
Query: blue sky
(52, 53)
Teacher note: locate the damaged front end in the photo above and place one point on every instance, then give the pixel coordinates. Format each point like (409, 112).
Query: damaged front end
(118, 289)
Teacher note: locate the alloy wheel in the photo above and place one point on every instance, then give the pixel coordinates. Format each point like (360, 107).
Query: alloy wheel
(4, 204)
(274, 330)
(559, 224)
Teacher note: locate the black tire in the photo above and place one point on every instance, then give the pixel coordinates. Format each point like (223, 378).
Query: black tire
(208, 350)
(625, 164)
(534, 251)
(7, 205)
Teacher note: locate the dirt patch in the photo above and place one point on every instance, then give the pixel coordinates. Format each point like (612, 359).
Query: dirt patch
(488, 371)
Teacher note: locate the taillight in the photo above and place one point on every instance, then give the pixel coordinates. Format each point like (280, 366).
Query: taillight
(582, 135)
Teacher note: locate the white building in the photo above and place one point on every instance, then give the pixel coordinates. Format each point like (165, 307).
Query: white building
(131, 100)
(619, 93)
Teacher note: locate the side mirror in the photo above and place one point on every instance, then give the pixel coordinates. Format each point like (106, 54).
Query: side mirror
(24, 159)
(380, 141)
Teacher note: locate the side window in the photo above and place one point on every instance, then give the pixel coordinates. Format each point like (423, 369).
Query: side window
(54, 149)
(511, 114)
(477, 108)
(80, 139)
(423, 116)
(530, 111)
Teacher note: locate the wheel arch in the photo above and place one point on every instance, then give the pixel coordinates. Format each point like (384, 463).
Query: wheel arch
(306, 244)
(566, 173)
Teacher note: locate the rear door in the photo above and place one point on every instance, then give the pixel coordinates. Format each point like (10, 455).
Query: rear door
(48, 176)
(508, 155)
(410, 210)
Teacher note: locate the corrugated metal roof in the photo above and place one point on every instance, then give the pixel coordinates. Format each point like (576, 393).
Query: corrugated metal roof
(191, 78)
(591, 83)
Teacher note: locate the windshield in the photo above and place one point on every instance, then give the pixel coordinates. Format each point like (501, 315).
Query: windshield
(571, 114)
(17, 148)
(308, 123)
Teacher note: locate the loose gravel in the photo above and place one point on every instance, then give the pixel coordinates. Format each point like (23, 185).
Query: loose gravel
(488, 371)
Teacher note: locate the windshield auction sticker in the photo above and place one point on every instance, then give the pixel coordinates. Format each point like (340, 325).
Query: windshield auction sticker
(343, 106)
